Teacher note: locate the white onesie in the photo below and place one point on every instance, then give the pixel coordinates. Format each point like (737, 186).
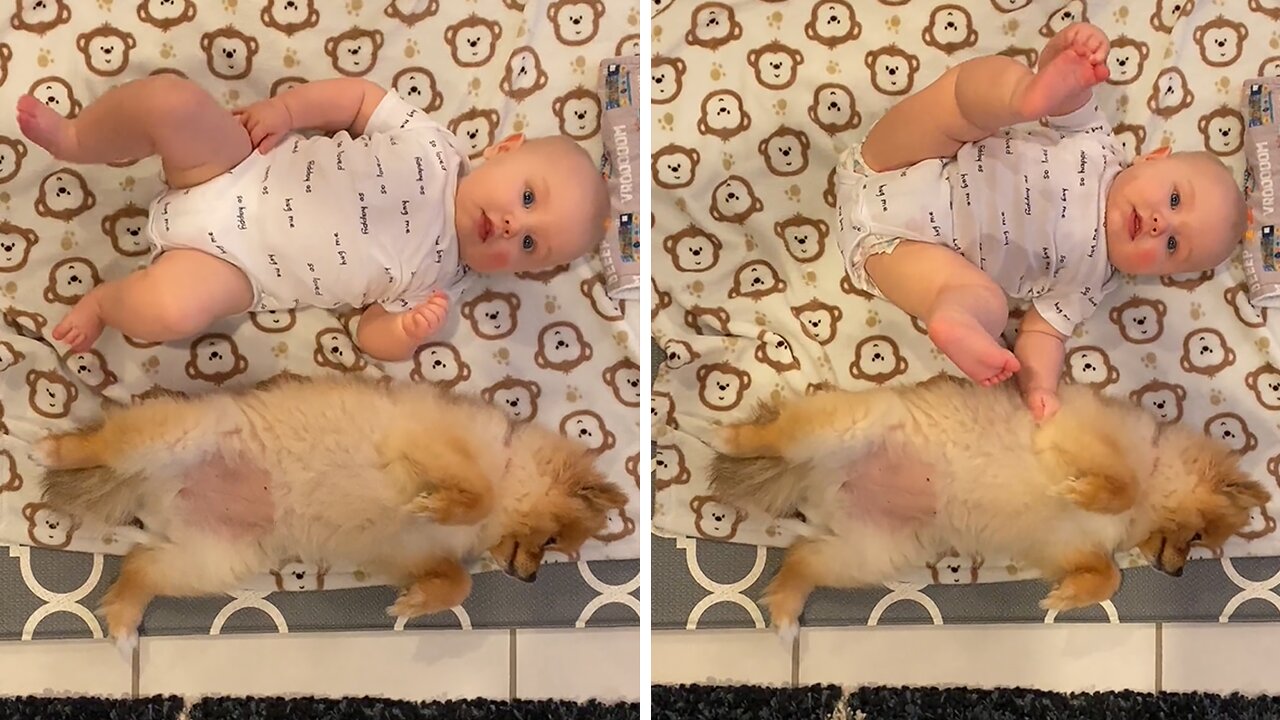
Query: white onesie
(1027, 206)
(331, 221)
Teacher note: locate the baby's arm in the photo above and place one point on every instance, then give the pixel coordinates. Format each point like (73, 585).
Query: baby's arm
(1040, 349)
(396, 336)
(327, 105)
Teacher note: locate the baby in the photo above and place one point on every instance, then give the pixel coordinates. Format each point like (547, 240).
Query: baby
(944, 210)
(386, 214)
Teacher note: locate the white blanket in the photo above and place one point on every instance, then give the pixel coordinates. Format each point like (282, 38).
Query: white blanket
(751, 300)
(486, 68)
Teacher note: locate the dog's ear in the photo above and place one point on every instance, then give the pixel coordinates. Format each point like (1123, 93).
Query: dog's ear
(601, 495)
(1243, 492)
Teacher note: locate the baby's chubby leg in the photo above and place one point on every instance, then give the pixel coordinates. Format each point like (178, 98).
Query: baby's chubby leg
(963, 309)
(196, 138)
(177, 296)
(986, 94)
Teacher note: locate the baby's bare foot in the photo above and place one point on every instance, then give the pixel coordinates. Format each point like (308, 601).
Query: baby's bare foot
(82, 326)
(45, 127)
(971, 348)
(1071, 72)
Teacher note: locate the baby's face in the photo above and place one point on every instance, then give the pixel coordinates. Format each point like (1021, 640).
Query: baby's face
(1172, 213)
(524, 208)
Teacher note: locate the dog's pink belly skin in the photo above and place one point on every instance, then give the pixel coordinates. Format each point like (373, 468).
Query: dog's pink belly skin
(890, 487)
(231, 499)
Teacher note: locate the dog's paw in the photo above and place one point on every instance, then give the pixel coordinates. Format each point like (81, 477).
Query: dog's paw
(787, 631)
(126, 644)
(45, 453)
(449, 507)
(413, 602)
(1062, 598)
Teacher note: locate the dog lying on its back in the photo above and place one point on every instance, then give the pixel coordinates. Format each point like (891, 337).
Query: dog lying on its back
(890, 479)
(408, 482)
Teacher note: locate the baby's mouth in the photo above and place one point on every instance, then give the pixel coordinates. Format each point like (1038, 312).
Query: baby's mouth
(485, 227)
(1135, 225)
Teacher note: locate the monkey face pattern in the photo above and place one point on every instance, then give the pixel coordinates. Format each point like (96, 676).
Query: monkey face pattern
(832, 23)
(215, 359)
(893, 71)
(229, 53)
(40, 16)
(417, 86)
(1231, 429)
(296, 576)
(1168, 12)
(662, 411)
(57, 94)
(50, 395)
(805, 238)
(714, 519)
(1170, 93)
(106, 50)
(834, 109)
(576, 22)
(579, 113)
(15, 246)
(291, 16)
(713, 25)
(674, 167)
(517, 398)
(274, 321)
(477, 128)
(1222, 131)
(12, 151)
(1140, 320)
(493, 315)
(593, 288)
(1131, 137)
(775, 352)
(1163, 400)
(440, 363)
(354, 52)
(127, 229)
(877, 359)
(667, 79)
(1261, 524)
(1237, 297)
(49, 528)
(722, 386)
(950, 29)
(90, 368)
(63, 195)
(1205, 352)
(562, 347)
(623, 378)
(1090, 365)
(524, 75)
(723, 115)
(679, 353)
(473, 40)
(617, 526)
(70, 279)
(669, 467)
(9, 355)
(166, 14)
(336, 351)
(733, 200)
(1072, 12)
(775, 64)
(952, 569)
(1125, 60)
(756, 279)
(588, 428)
(818, 320)
(1265, 384)
(786, 152)
(692, 250)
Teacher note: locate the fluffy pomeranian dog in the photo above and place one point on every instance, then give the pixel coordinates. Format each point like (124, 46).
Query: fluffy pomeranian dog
(885, 480)
(406, 481)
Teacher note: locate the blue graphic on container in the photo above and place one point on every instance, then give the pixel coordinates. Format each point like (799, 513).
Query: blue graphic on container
(617, 87)
(628, 239)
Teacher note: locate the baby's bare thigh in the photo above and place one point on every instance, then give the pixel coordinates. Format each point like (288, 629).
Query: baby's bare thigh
(921, 126)
(199, 279)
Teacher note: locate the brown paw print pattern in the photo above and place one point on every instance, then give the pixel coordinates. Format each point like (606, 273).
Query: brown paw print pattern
(753, 102)
(549, 347)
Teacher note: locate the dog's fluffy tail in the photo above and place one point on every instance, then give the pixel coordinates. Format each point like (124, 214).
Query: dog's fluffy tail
(771, 484)
(99, 493)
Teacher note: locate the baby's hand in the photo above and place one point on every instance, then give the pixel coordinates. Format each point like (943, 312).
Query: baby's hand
(1042, 403)
(422, 321)
(267, 121)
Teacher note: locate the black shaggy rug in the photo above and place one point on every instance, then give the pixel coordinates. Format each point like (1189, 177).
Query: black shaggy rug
(172, 708)
(822, 702)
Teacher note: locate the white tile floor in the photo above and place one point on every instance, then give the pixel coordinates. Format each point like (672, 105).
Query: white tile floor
(500, 664)
(1067, 657)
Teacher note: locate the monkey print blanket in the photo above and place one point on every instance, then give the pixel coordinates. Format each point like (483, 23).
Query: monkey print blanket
(751, 300)
(549, 347)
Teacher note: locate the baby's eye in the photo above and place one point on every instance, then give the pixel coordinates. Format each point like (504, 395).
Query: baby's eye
(1174, 199)
(528, 197)
(1172, 244)
(527, 244)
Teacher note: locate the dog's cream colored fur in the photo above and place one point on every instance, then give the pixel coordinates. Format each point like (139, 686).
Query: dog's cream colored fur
(406, 481)
(1101, 476)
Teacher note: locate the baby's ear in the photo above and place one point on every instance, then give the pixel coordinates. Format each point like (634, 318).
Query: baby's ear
(1160, 152)
(506, 144)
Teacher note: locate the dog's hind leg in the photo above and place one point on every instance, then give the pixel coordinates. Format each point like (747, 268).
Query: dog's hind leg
(164, 423)
(1086, 578)
(440, 584)
(808, 426)
(454, 488)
